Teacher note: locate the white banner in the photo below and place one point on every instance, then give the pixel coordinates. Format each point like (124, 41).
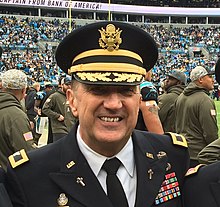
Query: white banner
(54, 3)
(118, 8)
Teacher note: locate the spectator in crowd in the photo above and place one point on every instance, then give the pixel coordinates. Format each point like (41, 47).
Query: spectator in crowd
(105, 96)
(195, 112)
(54, 108)
(0, 82)
(69, 119)
(40, 99)
(42, 96)
(15, 131)
(173, 87)
(148, 118)
(29, 105)
(0, 73)
(215, 92)
(39, 64)
(211, 153)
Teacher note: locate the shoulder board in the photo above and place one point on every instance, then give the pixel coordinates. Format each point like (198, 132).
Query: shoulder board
(194, 170)
(18, 158)
(177, 139)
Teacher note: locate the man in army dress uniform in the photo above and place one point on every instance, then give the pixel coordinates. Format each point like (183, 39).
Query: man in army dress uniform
(107, 61)
(202, 186)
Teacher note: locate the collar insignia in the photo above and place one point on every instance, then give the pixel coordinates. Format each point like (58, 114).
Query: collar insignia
(70, 164)
(62, 200)
(149, 155)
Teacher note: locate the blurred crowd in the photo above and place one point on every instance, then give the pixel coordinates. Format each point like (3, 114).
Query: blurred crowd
(40, 104)
(27, 45)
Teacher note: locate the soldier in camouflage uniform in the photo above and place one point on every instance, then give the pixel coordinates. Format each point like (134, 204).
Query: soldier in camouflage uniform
(15, 131)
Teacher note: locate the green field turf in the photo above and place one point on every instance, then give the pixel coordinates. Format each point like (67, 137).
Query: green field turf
(217, 103)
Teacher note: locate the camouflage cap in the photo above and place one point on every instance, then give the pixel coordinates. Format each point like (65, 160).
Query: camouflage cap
(14, 79)
(178, 74)
(200, 71)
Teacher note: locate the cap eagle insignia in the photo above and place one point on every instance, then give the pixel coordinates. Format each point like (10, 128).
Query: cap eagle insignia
(110, 38)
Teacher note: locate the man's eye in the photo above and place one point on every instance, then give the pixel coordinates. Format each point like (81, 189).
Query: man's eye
(97, 91)
(102, 91)
(127, 91)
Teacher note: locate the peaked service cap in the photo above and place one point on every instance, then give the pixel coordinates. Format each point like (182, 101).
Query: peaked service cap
(107, 52)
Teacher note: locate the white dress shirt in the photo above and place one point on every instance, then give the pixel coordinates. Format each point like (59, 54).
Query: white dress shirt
(126, 172)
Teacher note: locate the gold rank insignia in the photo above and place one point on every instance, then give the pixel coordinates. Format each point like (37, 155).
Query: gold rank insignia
(178, 139)
(194, 170)
(18, 158)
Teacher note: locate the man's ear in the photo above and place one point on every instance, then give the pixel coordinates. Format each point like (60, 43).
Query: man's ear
(71, 98)
(200, 80)
(23, 91)
(141, 98)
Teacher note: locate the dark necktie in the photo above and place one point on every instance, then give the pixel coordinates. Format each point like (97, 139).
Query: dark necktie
(114, 188)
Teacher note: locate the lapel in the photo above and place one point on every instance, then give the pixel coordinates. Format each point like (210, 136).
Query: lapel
(215, 189)
(147, 189)
(78, 167)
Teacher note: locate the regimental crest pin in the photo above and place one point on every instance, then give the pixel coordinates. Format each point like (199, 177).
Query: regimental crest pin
(161, 154)
(62, 200)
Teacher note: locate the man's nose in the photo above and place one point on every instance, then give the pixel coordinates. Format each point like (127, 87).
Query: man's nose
(113, 101)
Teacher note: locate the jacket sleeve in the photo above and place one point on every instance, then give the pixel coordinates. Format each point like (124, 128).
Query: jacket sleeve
(48, 107)
(4, 198)
(211, 153)
(14, 189)
(164, 107)
(207, 118)
(21, 136)
(29, 101)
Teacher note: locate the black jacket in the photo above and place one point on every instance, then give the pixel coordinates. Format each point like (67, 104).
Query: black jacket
(47, 174)
(202, 188)
(4, 198)
(29, 103)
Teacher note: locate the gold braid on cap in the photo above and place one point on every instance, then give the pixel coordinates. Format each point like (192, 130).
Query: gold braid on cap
(118, 77)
